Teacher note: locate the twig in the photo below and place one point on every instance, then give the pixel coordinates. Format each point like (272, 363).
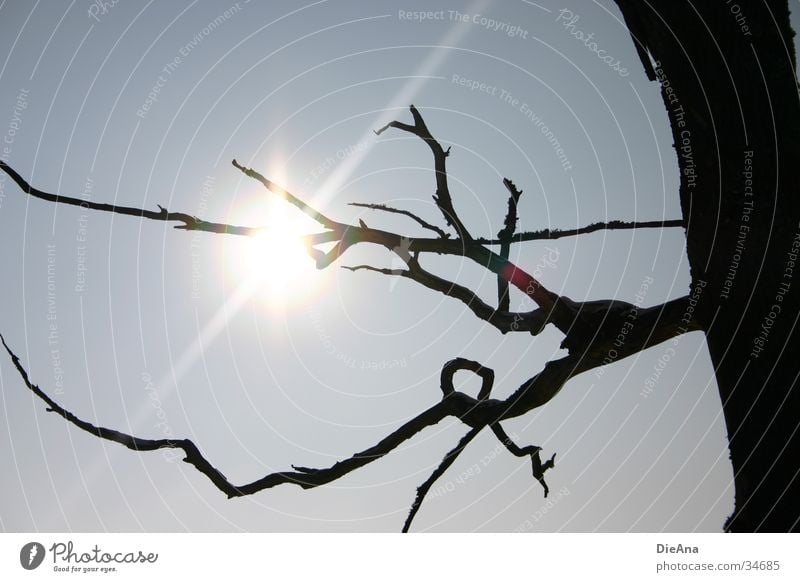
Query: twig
(420, 221)
(189, 222)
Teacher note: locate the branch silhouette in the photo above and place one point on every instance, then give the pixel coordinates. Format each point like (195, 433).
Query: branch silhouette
(505, 236)
(591, 328)
(658, 324)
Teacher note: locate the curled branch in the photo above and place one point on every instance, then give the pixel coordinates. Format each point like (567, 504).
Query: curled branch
(654, 325)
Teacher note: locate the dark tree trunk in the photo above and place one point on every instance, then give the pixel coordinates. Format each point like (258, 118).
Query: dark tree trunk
(727, 71)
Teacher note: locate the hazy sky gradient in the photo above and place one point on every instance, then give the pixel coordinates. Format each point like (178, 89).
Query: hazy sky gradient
(295, 91)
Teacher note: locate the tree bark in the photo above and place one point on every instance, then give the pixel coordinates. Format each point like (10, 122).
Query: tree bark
(727, 74)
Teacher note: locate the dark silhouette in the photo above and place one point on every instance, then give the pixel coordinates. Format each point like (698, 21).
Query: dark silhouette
(733, 97)
(590, 328)
(727, 72)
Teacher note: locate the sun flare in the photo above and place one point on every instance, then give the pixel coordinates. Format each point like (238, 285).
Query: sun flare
(275, 264)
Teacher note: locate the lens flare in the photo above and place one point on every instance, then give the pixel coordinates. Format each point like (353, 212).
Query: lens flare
(274, 265)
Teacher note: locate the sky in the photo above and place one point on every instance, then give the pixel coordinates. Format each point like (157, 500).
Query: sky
(264, 361)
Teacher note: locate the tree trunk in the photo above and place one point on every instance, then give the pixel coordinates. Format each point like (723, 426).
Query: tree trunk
(727, 72)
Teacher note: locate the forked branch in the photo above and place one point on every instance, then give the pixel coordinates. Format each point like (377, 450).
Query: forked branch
(442, 197)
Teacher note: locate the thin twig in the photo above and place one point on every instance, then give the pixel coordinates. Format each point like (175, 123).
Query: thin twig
(189, 222)
(551, 234)
(424, 224)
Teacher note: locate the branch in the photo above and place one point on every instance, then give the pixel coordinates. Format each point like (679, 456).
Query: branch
(189, 222)
(460, 364)
(421, 222)
(537, 467)
(448, 460)
(448, 371)
(289, 197)
(654, 325)
(556, 308)
(505, 321)
(509, 227)
(304, 477)
(344, 235)
(551, 234)
(442, 197)
(438, 245)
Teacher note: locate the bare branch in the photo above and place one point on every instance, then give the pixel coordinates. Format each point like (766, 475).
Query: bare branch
(442, 197)
(538, 468)
(289, 197)
(459, 364)
(382, 270)
(448, 371)
(556, 307)
(551, 234)
(653, 325)
(505, 321)
(417, 219)
(304, 477)
(163, 215)
(448, 460)
(559, 310)
(438, 245)
(193, 455)
(509, 227)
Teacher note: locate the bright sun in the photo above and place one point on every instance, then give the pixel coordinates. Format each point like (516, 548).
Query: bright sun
(275, 265)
